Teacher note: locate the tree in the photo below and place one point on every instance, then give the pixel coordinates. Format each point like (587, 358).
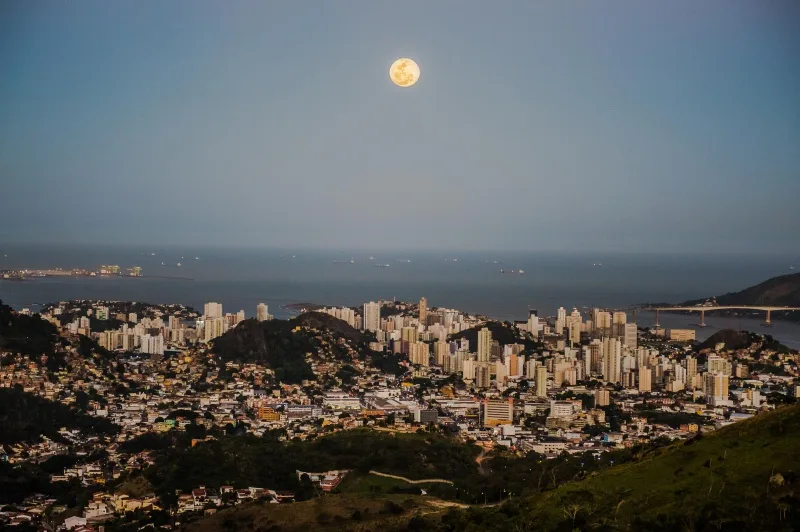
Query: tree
(82, 400)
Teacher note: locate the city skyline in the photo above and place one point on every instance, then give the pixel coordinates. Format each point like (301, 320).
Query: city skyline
(620, 127)
(353, 265)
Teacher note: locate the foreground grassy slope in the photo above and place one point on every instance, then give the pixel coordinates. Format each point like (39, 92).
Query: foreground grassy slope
(743, 477)
(724, 477)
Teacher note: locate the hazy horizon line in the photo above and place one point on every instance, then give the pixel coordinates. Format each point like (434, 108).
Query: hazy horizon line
(371, 250)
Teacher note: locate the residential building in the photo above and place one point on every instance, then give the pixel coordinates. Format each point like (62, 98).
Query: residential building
(630, 338)
(602, 398)
(372, 316)
(497, 411)
(716, 388)
(484, 345)
(540, 387)
(612, 359)
(645, 379)
(681, 335)
(262, 312)
(212, 310)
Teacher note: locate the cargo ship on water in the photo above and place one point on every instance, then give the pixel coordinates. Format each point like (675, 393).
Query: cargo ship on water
(515, 272)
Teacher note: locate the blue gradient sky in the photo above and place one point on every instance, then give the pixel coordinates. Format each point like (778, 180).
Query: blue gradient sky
(563, 125)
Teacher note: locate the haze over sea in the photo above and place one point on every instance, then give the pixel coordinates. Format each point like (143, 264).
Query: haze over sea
(242, 278)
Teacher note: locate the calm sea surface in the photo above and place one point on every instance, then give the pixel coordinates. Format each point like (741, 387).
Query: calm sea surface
(240, 279)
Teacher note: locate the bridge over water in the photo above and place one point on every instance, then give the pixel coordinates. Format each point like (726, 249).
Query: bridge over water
(702, 310)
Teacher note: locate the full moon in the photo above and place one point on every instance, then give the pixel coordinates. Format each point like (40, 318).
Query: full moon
(404, 72)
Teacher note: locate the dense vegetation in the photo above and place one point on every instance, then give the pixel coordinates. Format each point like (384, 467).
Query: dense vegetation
(503, 474)
(27, 417)
(731, 338)
(320, 321)
(673, 419)
(387, 362)
(282, 345)
(273, 344)
(20, 481)
(28, 335)
(266, 462)
(244, 461)
(743, 477)
(741, 339)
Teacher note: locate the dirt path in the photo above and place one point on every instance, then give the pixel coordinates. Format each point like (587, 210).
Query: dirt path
(479, 459)
(423, 481)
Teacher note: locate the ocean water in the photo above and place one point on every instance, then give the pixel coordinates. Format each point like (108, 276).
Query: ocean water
(242, 278)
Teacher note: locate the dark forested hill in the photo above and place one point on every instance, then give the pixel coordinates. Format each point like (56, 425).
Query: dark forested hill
(708, 483)
(26, 417)
(29, 335)
(271, 343)
(277, 344)
(731, 338)
(250, 461)
(505, 333)
(782, 291)
(742, 477)
(320, 320)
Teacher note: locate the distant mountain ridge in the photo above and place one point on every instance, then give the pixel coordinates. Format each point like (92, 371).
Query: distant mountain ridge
(781, 291)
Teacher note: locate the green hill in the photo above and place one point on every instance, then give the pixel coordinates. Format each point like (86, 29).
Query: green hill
(244, 461)
(731, 338)
(27, 417)
(282, 345)
(277, 345)
(320, 320)
(781, 291)
(271, 343)
(28, 335)
(743, 477)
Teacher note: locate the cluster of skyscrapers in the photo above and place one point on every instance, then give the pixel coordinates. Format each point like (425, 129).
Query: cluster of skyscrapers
(214, 323)
(603, 345)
